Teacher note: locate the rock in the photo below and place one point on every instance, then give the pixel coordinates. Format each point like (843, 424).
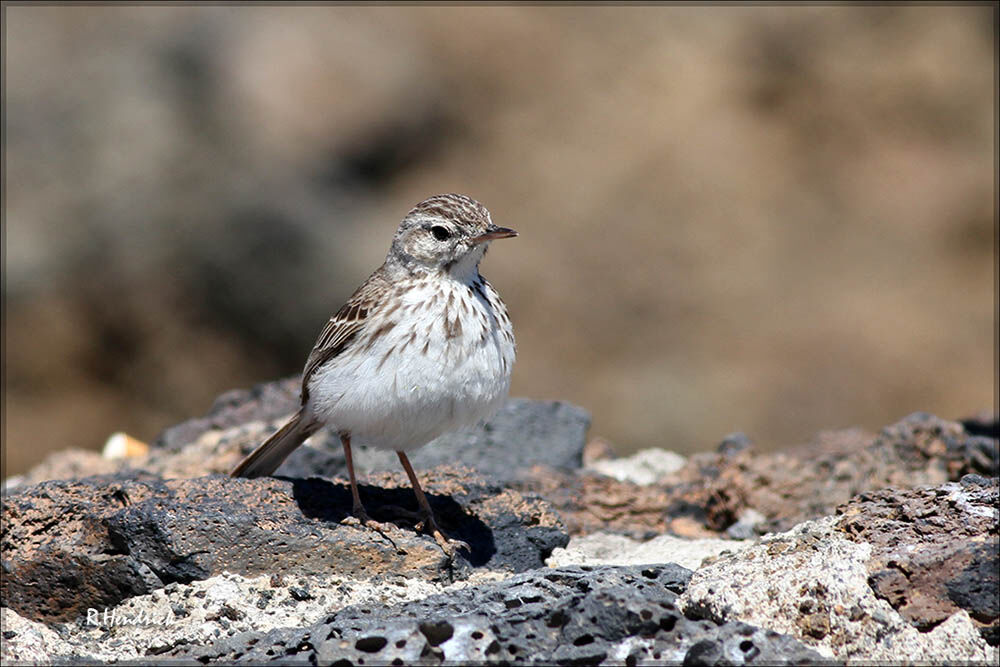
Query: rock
(215, 451)
(73, 545)
(744, 644)
(922, 441)
(268, 401)
(523, 433)
(741, 493)
(610, 549)
(934, 550)
(734, 443)
(598, 449)
(238, 421)
(986, 424)
(559, 616)
(28, 642)
(590, 502)
(131, 565)
(123, 446)
(65, 464)
(58, 557)
(812, 583)
(747, 526)
(202, 612)
(643, 467)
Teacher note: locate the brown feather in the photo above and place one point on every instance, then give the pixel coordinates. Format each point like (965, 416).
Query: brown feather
(342, 328)
(268, 456)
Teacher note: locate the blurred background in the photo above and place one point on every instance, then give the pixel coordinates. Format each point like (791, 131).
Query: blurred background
(770, 219)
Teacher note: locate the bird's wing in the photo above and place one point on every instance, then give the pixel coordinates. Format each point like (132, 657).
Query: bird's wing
(342, 328)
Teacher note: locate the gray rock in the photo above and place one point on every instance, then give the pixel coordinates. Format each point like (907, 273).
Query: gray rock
(712, 492)
(557, 616)
(202, 612)
(743, 644)
(72, 545)
(523, 433)
(263, 402)
(734, 443)
(746, 526)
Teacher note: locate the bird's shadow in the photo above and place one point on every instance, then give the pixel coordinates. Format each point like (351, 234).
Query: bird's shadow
(324, 500)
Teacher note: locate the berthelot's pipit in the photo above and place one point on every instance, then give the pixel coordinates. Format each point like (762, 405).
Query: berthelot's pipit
(423, 347)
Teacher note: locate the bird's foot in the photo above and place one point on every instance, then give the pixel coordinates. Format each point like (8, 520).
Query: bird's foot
(426, 523)
(359, 517)
(449, 545)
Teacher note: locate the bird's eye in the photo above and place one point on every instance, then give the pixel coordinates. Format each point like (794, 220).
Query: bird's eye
(440, 233)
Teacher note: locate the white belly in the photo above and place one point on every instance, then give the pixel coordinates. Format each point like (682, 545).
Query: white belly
(447, 370)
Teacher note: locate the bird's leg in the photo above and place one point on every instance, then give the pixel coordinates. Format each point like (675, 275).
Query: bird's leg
(358, 510)
(449, 546)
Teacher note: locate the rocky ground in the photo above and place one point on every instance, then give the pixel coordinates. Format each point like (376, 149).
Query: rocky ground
(854, 548)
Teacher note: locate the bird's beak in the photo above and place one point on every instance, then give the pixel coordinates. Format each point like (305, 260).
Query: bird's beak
(493, 234)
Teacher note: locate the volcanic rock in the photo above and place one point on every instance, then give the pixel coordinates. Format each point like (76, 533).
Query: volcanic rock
(71, 545)
(934, 550)
(572, 615)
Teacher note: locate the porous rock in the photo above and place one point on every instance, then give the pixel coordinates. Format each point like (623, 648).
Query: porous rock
(950, 449)
(64, 464)
(611, 549)
(74, 544)
(813, 583)
(28, 642)
(201, 612)
(571, 615)
(754, 492)
(934, 550)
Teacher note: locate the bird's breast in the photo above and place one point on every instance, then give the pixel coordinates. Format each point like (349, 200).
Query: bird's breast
(450, 332)
(435, 356)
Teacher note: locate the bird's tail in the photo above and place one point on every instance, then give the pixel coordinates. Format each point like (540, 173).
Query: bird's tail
(265, 459)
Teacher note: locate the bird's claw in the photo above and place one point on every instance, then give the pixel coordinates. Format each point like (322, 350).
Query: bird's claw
(449, 545)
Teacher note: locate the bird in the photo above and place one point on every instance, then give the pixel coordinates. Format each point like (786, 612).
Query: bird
(423, 347)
